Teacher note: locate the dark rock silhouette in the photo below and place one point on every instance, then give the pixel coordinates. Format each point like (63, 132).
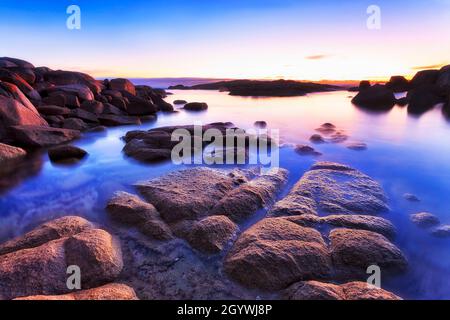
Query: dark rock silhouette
(376, 97)
(277, 88)
(66, 153)
(196, 106)
(424, 98)
(398, 84)
(424, 77)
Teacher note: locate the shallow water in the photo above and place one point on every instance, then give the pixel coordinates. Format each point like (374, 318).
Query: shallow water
(405, 154)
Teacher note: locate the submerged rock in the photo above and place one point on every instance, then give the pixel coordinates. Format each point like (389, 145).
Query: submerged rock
(180, 102)
(129, 210)
(353, 251)
(327, 128)
(317, 138)
(211, 234)
(306, 150)
(425, 219)
(260, 124)
(357, 146)
(114, 291)
(411, 197)
(315, 290)
(337, 137)
(441, 231)
(196, 106)
(332, 188)
(275, 253)
(66, 153)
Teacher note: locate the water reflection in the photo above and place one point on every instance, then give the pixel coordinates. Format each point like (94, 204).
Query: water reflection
(13, 173)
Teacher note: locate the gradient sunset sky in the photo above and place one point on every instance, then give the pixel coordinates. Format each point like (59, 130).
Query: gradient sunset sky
(305, 40)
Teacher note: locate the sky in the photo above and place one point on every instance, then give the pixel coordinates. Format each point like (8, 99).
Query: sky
(258, 39)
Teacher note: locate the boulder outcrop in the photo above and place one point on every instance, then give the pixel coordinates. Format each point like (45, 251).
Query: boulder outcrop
(36, 264)
(332, 188)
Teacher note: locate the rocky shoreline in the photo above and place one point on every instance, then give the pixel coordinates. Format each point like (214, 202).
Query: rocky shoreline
(41, 107)
(189, 241)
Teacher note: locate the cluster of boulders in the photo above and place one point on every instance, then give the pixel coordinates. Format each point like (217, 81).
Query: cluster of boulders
(315, 243)
(36, 266)
(200, 205)
(157, 144)
(40, 107)
(425, 90)
(319, 237)
(328, 133)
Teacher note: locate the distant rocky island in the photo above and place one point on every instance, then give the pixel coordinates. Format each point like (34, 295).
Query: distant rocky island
(262, 88)
(424, 91)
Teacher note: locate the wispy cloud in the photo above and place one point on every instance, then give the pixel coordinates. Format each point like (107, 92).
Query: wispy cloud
(317, 57)
(433, 66)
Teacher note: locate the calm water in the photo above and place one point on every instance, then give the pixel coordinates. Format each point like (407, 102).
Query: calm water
(405, 154)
